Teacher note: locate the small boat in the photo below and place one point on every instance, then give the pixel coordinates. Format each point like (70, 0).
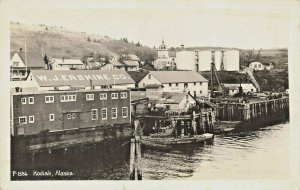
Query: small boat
(169, 142)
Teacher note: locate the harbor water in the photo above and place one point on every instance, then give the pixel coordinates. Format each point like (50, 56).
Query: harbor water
(257, 154)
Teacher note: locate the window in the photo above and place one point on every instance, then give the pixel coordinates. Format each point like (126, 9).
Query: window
(73, 115)
(149, 76)
(114, 113)
(49, 99)
(103, 96)
(194, 84)
(123, 95)
(69, 116)
(104, 113)
(15, 64)
(94, 114)
(200, 91)
(114, 95)
(51, 117)
(62, 98)
(89, 97)
(23, 100)
(124, 112)
(200, 83)
(31, 100)
(170, 84)
(31, 119)
(176, 84)
(22, 120)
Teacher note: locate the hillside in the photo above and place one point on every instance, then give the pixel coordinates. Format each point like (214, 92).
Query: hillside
(59, 42)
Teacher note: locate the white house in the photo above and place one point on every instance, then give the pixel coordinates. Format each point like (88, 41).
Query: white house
(234, 88)
(261, 66)
(85, 79)
(66, 64)
(18, 66)
(177, 81)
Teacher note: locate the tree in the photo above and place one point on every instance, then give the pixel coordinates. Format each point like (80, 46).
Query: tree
(88, 39)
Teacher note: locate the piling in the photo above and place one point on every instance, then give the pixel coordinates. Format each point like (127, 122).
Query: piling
(132, 160)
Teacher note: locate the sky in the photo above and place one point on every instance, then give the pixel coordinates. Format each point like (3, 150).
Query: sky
(223, 23)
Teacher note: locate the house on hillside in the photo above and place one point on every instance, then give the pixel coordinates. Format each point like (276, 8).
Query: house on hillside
(126, 63)
(177, 81)
(131, 62)
(113, 65)
(234, 88)
(79, 79)
(261, 66)
(67, 64)
(21, 65)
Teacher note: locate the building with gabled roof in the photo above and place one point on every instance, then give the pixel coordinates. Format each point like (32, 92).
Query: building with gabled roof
(67, 63)
(20, 64)
(177, 81)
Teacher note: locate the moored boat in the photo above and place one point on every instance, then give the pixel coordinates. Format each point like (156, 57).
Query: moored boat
(169, 142)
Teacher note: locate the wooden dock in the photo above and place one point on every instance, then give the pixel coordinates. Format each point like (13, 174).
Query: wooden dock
(264, 112)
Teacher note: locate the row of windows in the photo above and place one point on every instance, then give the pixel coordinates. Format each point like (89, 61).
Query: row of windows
(71, 98)
(185, 84)
(30, 100)
(114, 113)
(94, 115)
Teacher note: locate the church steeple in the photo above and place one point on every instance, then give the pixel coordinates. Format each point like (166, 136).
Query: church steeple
(162, 50)
(162, 46)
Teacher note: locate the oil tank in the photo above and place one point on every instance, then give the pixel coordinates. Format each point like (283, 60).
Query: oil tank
(232, 60)
(204, 60)
(218, 60)
(186, 60)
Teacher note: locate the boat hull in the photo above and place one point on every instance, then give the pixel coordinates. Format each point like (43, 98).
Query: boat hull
(169, 143)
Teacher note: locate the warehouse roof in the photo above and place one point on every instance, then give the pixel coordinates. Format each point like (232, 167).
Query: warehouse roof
(81, 77)
(178, 76)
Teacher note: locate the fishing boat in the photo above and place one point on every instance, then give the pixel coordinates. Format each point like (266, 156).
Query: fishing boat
(168, 132)
(171, 142)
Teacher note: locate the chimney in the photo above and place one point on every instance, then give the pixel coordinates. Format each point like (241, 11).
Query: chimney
(21, 50)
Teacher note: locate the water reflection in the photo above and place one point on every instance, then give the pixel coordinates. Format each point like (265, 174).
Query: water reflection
(263, 153)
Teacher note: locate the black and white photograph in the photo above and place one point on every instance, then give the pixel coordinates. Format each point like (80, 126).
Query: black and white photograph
(176, 90)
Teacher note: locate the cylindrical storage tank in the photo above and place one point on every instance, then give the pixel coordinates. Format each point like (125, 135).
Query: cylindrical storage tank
(204, 60)
(218, 60)
(232, 60)
(186, 60)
